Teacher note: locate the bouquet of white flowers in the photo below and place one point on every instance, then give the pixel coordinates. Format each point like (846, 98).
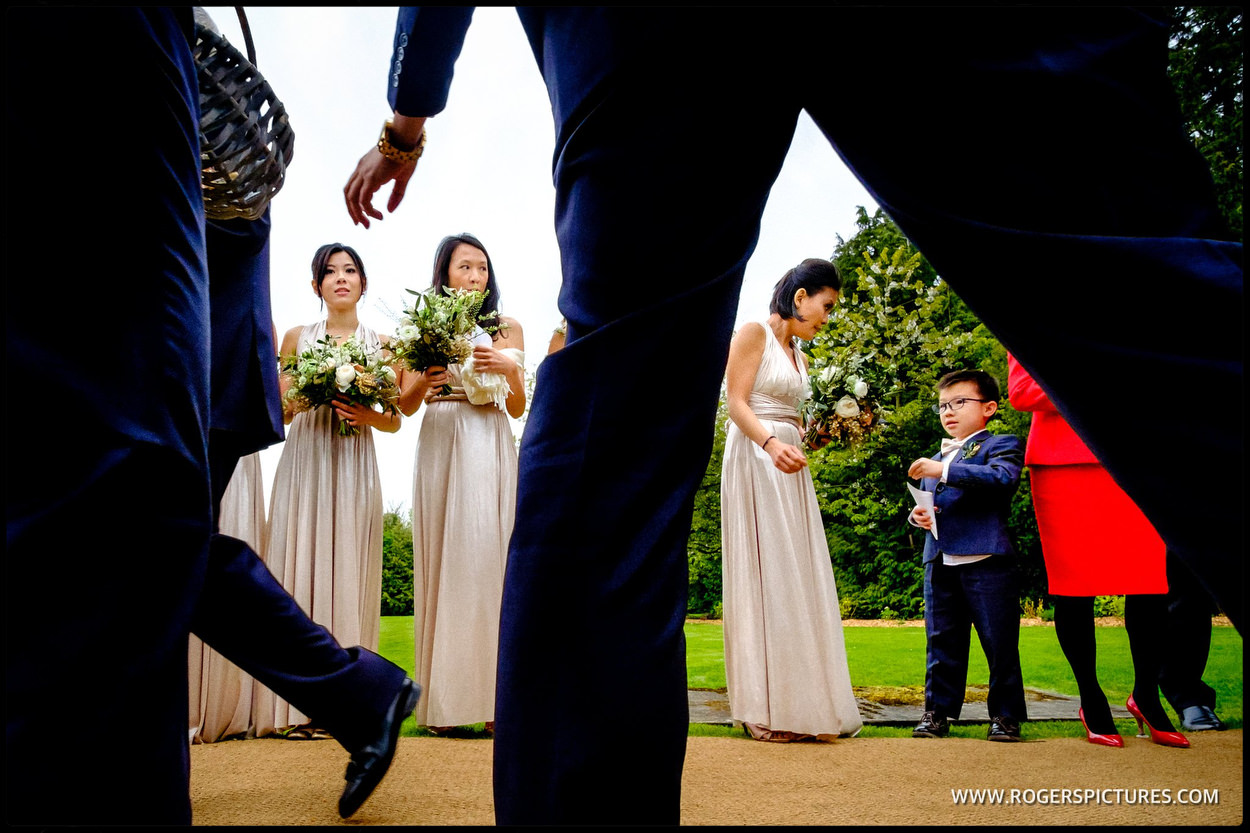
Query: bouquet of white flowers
(839, 407)
(438, 329)
(327, 370)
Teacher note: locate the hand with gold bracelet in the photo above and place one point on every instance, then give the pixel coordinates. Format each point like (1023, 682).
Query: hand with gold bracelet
(392, 159)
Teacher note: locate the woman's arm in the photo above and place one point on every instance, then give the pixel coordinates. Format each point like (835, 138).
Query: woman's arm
(357, 415)
(745, 353)
(414, 385)
(289, 350)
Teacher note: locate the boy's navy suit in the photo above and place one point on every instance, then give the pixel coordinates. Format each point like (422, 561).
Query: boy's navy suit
(972, 505)
(971, 509)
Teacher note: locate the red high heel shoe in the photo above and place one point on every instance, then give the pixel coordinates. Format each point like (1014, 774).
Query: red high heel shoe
(1094, 737)
(1162, 738)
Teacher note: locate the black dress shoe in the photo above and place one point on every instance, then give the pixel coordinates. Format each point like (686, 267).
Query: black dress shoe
(1201, 719)
(1003, 729)
(931, 725)
(370, 763)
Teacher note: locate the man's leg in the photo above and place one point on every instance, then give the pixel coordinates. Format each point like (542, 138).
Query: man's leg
(248, 617)
(103, 559)
(1188, 641)
(1050, 181)
(655, 224)
(108, 517)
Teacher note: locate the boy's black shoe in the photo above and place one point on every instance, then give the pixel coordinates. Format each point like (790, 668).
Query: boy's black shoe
(931, 725)
(1003, 729)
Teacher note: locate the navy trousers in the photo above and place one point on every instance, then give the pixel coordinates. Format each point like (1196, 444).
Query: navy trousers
(1036, 156)
(111, 557)
(1188, 645)
(985, 594)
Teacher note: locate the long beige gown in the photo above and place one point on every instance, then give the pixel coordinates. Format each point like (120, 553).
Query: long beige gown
(463, 506)
(221, 693)
(785, 658)
(325, 532)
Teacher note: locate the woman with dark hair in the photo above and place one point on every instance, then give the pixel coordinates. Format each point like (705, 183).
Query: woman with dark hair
(785, 658)
(325, 513)
(463, 502)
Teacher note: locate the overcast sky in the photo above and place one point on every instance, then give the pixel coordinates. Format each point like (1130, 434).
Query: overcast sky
(486, 171)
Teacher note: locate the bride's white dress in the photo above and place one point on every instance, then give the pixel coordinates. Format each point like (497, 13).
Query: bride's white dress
(785, 658)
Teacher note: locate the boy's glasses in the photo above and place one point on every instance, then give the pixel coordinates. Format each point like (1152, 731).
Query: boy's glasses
(954, 404)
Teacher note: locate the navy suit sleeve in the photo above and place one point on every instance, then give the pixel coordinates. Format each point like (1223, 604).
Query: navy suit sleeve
(998, 467)
(428, 40)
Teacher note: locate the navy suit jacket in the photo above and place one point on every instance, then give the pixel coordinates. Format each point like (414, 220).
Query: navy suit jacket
(973, 504)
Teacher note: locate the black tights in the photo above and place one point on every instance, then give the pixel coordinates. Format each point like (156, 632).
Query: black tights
(1145, 620)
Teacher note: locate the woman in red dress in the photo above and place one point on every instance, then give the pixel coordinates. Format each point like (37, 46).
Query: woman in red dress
(1095, 542)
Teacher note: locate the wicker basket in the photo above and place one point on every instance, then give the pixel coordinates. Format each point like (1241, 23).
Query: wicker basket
(246, 141)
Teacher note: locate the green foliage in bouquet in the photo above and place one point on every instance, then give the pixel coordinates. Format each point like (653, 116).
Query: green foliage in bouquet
(328, 370)
(889, 341)
(438, 329)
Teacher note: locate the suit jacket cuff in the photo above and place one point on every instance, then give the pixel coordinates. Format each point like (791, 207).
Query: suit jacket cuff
(428, 40)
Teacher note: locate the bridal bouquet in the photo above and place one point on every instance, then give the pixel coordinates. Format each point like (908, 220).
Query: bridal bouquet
(839, 407)
(438, 329)
(327, 370)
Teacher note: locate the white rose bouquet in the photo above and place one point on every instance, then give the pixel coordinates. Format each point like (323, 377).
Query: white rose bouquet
(438, 330)
(328, 370)
(840, 406)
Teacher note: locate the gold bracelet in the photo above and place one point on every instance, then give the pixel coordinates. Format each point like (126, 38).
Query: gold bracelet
(395, 154)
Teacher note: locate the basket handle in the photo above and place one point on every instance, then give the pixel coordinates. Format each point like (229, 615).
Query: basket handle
(247, 34)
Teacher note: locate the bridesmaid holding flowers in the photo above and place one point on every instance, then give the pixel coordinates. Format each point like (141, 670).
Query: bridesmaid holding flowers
(325, 523)
(785, 657)
(464, 498)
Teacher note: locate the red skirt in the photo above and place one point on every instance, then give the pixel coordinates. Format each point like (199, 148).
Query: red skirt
(1095, 540)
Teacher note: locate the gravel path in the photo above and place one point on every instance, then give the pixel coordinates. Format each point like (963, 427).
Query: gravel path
(730, 781)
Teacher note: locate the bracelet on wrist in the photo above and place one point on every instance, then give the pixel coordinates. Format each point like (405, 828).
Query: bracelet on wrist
(388, 148)
(764, 444)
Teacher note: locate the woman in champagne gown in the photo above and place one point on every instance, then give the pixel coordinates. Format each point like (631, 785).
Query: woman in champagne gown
(221, 692)
(463, 503)
(325, 521)
(785, 659)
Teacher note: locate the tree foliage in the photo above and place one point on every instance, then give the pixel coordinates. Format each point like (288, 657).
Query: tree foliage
(1206, 63)
(396, 564)
(901, 328)
(703, 548)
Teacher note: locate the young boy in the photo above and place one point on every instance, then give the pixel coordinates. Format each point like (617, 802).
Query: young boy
(970, 573)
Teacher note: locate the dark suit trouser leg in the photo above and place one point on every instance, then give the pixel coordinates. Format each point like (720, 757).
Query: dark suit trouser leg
(948, 632)
(104, 556)
(992, 588)
(107, 511)
(247, 616)
(617, 440)
(1058, 194)
(1188, 640)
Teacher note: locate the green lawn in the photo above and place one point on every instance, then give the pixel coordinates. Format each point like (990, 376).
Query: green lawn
(894, 656)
